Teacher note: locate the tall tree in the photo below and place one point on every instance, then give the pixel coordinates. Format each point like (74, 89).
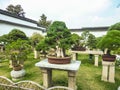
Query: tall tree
(17, 9)
(43, 21)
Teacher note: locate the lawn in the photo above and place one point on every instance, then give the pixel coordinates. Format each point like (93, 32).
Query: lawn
(88, 76)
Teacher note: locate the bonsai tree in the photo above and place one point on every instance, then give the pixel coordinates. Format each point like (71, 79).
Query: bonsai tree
(91, 42)
(59, 37)
(16, 34)
(111, 41)
(43, 47)
(18, 51)
(77, 44)
(115, 27)
(76, 39)
(85, 34)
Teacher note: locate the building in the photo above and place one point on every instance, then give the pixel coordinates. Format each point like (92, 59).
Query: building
(97, 31)
(10, 21)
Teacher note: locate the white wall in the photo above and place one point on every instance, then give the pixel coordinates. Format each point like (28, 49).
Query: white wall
(6, 28)
(16, 20)
(96, 33)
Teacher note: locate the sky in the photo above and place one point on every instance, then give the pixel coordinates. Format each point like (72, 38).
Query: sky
(75, 13)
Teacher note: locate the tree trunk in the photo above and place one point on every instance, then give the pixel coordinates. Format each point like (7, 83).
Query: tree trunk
(59, 52)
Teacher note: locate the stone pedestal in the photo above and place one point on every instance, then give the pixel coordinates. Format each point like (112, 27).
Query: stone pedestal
(47, 77)
(35, 54)
(108, 71)
(47, 68)
(119, 88)
(72, 80)
(17, 75)
(74, 57)
(96, 60)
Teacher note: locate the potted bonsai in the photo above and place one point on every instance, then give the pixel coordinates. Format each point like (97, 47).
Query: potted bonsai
(59, 38)
(77, 45)
(18, 60)
(18, 53)
(111, 42)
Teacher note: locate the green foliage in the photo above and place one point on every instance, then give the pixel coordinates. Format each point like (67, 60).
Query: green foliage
(88, 76)
(85, 35)
(115, 27)
(110, 41)
(18, 49)
(117, 51)
(17, 10)
(76, 39)
(43, 21)
(59, 35)
(4, 38)
(42, 46)
(35, 39)
(91, 42)
(16, 34)
(88, 39)
(19, 45)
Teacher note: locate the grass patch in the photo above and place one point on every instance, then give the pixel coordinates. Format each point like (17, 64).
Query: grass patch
(88, 75)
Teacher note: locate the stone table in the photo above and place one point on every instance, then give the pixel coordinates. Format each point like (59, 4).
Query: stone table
(108, 71)
(47, 68)
(95, 53)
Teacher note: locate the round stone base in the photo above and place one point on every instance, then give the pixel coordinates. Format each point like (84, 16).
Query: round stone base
(16, 75)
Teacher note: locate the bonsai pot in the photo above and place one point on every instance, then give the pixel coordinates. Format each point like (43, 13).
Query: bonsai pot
(59, 60)
(17, 67)
(79, 48)
(110, 58)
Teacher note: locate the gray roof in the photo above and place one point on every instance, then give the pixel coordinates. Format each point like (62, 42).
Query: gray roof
(21, 18)
(16, 16)
(105, 28)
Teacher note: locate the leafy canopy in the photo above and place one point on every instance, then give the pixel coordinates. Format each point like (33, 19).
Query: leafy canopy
(43, 21)
(115, 27)
(16, 34)
(59, 35)
(36, 38)
(17, 10)
(110, 41)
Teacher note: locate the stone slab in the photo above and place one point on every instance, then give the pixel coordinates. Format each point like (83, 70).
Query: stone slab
(89, 52)
(119, 88)
(108, 63)
(73, 66)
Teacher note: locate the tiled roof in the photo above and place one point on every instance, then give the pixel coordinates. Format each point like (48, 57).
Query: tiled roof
(16, 16)
(105, 28)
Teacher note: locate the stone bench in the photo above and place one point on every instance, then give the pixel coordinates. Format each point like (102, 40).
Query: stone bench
(7, 84)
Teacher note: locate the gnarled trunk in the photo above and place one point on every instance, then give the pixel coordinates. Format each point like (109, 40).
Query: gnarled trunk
(59, 52)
